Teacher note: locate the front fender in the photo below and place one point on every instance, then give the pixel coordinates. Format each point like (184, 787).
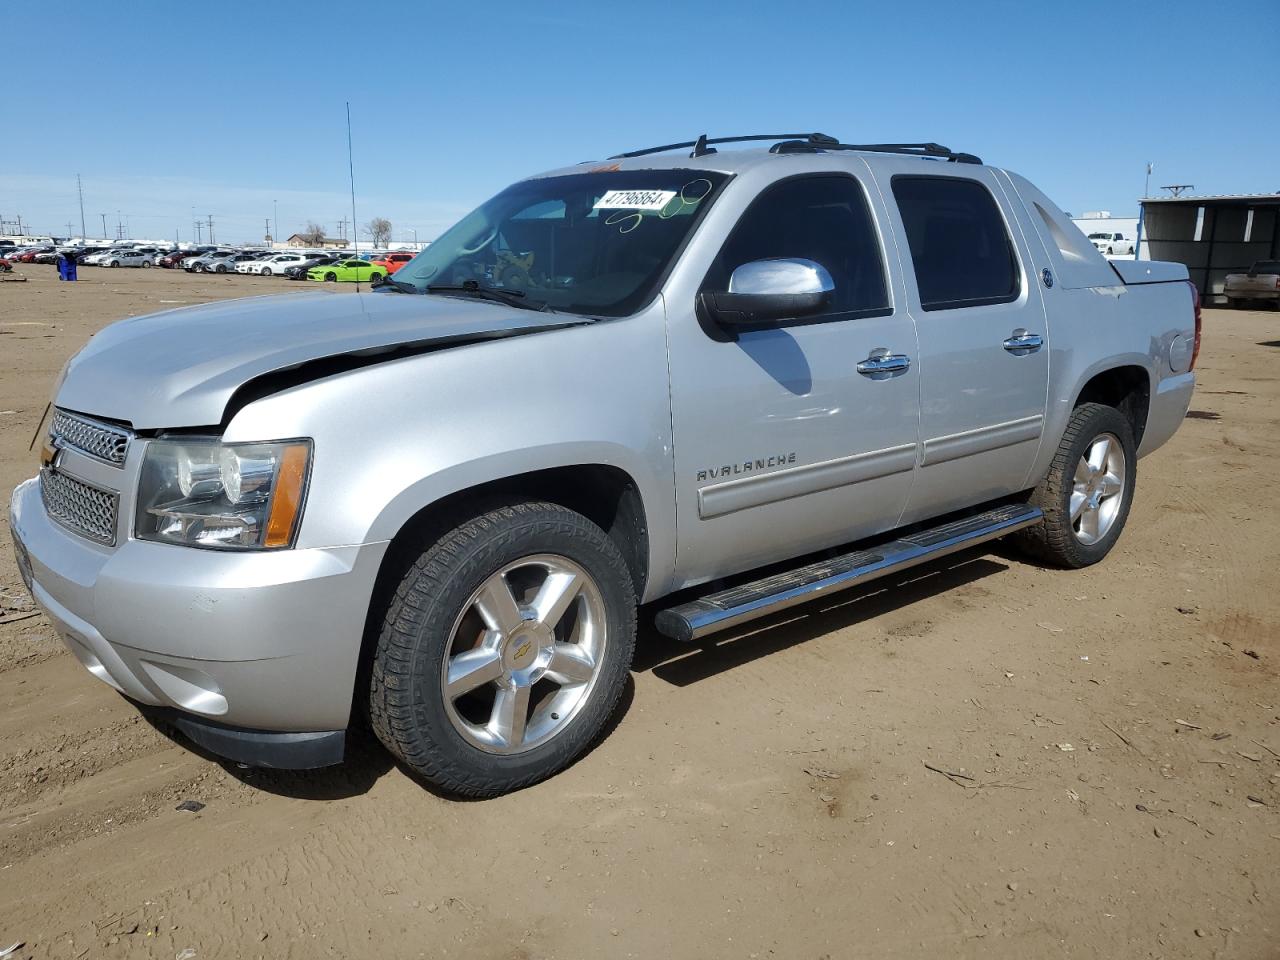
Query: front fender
(393, 438)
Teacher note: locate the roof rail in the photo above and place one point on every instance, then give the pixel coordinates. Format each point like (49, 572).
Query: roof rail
(805, 143)
(934, 150)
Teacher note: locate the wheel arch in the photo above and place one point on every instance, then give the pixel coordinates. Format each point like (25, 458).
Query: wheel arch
(1126, 387)
(605, 494)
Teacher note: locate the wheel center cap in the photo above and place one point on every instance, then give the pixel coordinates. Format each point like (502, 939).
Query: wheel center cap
(526, 651)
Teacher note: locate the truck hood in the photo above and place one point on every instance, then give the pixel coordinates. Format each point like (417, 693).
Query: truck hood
(179, 368)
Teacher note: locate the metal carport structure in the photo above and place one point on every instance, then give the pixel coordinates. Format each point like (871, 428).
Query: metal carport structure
(1213, 235)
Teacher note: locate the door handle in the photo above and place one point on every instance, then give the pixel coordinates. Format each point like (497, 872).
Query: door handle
(882, 365)
(1022, 342)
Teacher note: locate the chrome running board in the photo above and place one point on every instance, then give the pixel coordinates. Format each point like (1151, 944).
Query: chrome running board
(735, 605)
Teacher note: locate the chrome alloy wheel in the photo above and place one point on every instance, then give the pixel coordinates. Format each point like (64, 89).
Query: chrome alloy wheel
(525, 654)
(1097, 491)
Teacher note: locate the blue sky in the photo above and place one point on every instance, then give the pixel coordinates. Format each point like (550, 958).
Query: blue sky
(174, 109)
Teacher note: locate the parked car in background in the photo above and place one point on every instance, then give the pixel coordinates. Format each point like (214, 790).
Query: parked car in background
(127, 258)
(219, 262)
(89, 251)
(199, 263)
(1261, 282)
(274, 264)
(174, 258)
(99, 258)
(346, 270)
(1112, 244)
(29, 255)
(51, 256)
(392, 261)
(299, 270)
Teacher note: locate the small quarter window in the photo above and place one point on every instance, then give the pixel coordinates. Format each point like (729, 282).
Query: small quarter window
(959, 244)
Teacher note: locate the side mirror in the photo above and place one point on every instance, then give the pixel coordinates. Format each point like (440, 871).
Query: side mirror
(765, 291)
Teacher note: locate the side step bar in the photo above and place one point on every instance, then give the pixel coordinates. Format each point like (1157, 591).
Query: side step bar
(728, 608)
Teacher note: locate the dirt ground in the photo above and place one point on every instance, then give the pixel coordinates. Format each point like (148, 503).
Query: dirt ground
(1113, 737)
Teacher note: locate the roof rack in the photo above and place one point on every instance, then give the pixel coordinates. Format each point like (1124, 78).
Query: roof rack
(806, 143)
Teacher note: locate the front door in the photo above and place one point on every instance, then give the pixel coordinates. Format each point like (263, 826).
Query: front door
(781, 445)
(984, 339)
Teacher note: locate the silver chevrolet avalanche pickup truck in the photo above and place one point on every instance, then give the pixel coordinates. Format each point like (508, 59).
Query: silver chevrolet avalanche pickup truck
(719, 383)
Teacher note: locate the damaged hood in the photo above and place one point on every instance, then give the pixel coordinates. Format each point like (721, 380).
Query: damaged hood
(179, 368)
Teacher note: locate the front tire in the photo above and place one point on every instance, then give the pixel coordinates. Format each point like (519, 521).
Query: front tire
(331, 277)
(505, 650)
(1088, 491)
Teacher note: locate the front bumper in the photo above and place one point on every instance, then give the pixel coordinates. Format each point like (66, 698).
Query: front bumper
(267, 642)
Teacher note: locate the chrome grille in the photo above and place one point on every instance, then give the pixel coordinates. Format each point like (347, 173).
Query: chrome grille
(90, 437)
(79, 507)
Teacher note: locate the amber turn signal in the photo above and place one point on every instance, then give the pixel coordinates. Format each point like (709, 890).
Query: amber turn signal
(286, 499)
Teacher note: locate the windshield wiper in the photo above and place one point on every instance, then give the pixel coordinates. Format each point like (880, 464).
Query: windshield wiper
(398, 285)
(512, 298)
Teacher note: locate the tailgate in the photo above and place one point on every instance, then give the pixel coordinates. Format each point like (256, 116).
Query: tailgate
(1149, 271)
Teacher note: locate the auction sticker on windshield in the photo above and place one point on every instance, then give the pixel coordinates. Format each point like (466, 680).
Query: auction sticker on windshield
(635, 199)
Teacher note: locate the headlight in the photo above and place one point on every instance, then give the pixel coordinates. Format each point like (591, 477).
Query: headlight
(204, 493)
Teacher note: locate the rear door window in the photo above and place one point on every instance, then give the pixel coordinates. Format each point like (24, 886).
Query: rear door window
(959, 243)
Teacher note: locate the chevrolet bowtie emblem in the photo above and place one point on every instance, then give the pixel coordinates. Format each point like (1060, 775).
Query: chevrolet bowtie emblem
(49, 455)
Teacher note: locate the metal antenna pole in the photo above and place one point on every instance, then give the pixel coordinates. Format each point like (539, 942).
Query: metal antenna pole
(351, 171)
(104, 226)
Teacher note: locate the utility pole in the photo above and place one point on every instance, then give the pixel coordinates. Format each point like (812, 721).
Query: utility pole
(211, 240)
(80, 190)
(199, 232)
(70, 225)
(1142, 211)
(119, 226)
(104, 226)
(266, 226)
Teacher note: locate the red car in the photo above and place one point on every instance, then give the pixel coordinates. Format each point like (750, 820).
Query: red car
(30, 255)
(175, 258)
(393, 261)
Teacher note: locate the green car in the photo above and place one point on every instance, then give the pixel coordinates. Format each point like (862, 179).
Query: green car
(347, 270)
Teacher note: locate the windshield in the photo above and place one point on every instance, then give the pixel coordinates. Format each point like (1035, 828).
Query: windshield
(595, 243)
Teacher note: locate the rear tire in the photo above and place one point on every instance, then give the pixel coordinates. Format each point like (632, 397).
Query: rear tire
(1088, 491)
(466, 616)
(266, 271)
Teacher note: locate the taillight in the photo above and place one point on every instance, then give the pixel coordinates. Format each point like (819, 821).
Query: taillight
(1195, 299)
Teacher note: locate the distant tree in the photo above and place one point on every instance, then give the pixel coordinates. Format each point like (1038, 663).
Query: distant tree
(313, 234)
(379, 228)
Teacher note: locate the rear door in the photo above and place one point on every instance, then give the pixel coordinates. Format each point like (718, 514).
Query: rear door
(984, 351)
